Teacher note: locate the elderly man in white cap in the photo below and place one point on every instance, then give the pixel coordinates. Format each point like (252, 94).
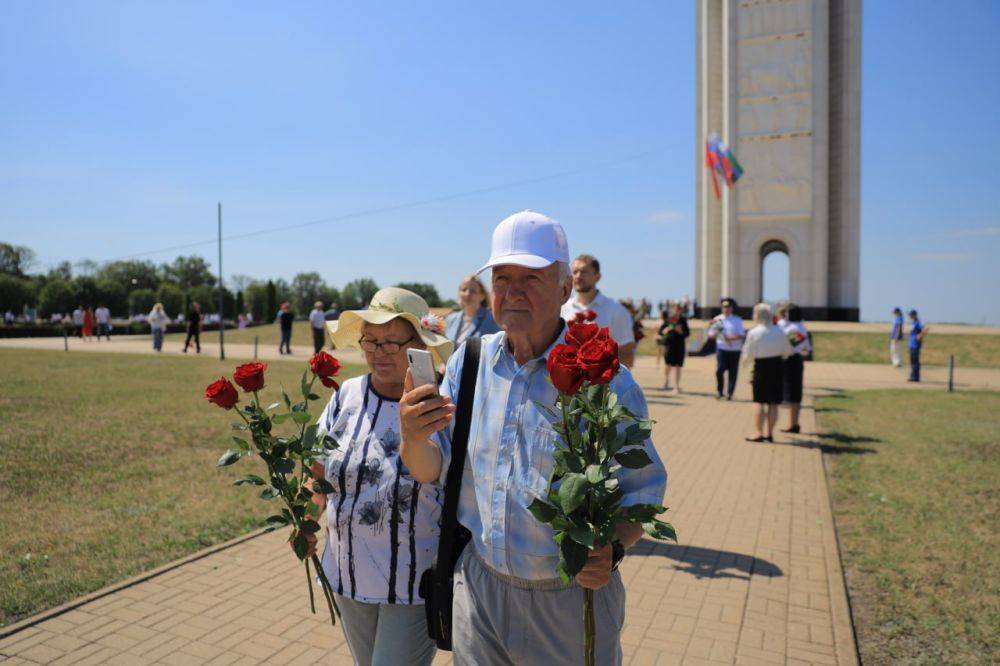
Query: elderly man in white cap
(510, 607)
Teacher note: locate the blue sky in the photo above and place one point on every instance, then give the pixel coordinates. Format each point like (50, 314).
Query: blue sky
(123, 124)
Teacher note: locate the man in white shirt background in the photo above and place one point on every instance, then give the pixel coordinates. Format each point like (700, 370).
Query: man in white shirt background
(611, 314)
(78, 321)
(317, 318)
(729, 334)
(103, 316)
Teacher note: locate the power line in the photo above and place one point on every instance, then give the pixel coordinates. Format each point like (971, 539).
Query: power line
(403, 206)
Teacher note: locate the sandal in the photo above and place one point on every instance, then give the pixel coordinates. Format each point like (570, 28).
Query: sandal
(757, 439)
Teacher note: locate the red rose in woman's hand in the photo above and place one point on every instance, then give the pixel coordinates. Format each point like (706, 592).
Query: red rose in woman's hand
(580, 333)
(598, 358)
(564, 369)
(324, 365)
(222, 393)
(250, 376)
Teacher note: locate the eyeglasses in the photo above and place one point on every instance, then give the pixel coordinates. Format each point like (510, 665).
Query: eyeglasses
(389, 347)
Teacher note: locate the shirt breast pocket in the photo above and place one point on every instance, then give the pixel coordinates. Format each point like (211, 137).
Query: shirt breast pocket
(541, 443)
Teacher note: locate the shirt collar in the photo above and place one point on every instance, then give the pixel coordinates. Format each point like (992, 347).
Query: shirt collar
(502, 353)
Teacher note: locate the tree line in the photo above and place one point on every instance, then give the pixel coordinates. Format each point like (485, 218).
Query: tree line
(129, 287)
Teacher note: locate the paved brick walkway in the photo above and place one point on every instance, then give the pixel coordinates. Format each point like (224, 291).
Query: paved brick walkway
(755, 579)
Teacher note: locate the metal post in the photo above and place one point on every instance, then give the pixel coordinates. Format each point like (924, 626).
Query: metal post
(951, 372)
(65, 338)
(255, 339)
(222, 321)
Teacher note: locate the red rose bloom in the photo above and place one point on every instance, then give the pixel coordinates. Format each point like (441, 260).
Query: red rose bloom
(250, 376)
(323, 365)
(564, 369)
(598, 358)
(585, 316)
(222, 393)
(580, 333)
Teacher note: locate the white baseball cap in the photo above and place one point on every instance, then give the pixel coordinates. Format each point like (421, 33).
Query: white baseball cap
(528, 239)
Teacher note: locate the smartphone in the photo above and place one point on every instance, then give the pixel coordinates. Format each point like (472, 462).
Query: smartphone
(422, 367)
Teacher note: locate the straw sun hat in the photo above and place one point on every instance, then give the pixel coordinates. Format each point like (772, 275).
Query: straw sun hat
(388, 304)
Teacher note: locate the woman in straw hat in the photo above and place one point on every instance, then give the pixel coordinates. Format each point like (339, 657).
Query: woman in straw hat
(382, 526)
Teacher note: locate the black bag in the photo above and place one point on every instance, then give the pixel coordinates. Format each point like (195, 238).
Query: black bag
(437, 583)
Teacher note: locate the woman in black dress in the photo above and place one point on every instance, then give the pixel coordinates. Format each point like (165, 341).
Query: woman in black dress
(673, 336)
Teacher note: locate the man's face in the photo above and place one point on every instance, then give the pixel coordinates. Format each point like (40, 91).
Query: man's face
(585, 278)
(526, 300)
(727, 310)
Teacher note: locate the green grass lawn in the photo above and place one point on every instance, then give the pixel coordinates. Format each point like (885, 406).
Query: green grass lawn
(108, 469)
(918, 518)
(971, 351)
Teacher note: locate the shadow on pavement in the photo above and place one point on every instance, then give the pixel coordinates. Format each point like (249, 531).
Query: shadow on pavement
(708, 562)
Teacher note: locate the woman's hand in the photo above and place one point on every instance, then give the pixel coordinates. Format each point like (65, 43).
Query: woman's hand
(422, 412)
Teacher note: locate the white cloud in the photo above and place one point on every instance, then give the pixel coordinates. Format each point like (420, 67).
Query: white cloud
(978, 232)
(665, 216)
(941, 257)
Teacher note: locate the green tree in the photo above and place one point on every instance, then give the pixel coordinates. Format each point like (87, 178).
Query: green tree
(15, 259)
(141, 301)
(208, 298)
(255, 294)
(358, 293)
(64, 271)
(87, 292)
(189, 272)
(428, 291)
(57, 296)
(239, 304)
(172, 298)
(307, 288)
(144, 273)
(15, 293)
(112, 295)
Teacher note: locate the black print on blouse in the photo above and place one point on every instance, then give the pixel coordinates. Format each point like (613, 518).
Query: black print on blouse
(390, 443)
(342, 483)
(394, 535)
(371, 515)
(357, 492)
(414, 496)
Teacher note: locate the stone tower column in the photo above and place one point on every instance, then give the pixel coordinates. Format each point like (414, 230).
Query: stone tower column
(779, 80)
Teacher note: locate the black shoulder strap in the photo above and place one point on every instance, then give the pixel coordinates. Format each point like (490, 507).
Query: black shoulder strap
(459, 446)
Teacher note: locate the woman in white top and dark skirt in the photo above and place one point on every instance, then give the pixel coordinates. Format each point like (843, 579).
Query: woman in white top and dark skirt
(766, 347)
(794, 369)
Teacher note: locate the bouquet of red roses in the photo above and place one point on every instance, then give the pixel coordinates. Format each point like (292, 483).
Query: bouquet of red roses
(598, 437)
(288, 458)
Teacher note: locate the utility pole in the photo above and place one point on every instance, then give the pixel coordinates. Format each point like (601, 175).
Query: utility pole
(222, 323)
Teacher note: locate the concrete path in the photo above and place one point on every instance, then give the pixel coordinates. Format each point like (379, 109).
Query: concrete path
(755, 578)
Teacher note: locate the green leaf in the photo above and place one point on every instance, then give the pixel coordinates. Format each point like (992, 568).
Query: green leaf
(309, 436)
(250, 479)
(281, 418)
(329, 443)
(572, 492)
(643, 513)
(229, 457)
(633, 458)
(273, 406)
(612, 400)
(301, 418)
(240, 426)
(569, 460)
(276, 520)
(325, 487)
(574, 554)
(241, 444)
(596, 474)
(284, 466)
(636, 434)
(309, 526)
(312, 510)
(582, 535)
(269, 493)
(305, 382)
(542, 511)
(300, 545)
(284, 396)
(312, 396)
(660, 530)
